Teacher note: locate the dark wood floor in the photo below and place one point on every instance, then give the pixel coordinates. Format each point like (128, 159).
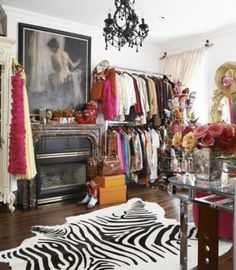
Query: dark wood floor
(14, 228)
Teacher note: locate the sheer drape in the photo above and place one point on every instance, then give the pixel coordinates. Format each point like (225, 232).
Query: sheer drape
(182, 66)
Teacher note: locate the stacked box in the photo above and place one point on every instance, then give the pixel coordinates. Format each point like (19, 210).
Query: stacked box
(112, 189)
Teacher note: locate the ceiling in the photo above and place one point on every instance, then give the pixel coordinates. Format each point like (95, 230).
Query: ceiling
(182, 18)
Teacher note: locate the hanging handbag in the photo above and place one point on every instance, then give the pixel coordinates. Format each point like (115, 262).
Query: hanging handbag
(110, 166)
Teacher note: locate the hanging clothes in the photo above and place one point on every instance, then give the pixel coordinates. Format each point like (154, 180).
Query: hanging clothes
(99, 77)
(126, 96)
(155, 145)
(127, 156)
(17, 150)
(137, 151)
(29, 146)
(108, 102)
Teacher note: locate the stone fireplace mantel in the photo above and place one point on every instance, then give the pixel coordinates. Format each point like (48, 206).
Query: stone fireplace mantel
(29, 192)
(93, 132)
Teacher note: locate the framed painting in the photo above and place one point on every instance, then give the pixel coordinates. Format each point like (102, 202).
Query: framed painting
(3, 22)
(57, 66)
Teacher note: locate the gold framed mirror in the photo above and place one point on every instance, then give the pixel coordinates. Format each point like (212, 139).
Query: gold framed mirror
(224, 98)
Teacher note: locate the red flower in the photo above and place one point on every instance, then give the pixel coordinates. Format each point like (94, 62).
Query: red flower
(216, 129)
(188, 129)
(201, 131)
(181, 128)
(69, 112)
(206, 140)
(79, 118)
(227, 135)
(57, 114)
(91, 105)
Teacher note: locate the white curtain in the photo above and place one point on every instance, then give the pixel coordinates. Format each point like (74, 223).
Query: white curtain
(182, 66)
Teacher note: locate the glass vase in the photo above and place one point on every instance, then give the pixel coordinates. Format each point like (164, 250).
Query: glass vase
(206, 165)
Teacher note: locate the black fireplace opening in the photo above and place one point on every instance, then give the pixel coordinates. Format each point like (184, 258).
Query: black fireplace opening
(61, 168)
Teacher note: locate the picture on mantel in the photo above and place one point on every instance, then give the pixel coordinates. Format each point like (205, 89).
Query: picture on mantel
(57, 66)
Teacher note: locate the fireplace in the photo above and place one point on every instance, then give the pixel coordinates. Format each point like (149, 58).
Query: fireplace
(61, 154)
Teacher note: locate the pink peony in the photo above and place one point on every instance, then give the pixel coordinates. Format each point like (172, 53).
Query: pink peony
(174, 127)
(216, 129)
(201, 131)
(206, 140)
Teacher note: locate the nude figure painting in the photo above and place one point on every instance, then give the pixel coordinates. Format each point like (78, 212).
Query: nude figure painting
(57, 66)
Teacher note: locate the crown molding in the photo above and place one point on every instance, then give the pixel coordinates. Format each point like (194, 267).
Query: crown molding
(27, 15)
(199, 39)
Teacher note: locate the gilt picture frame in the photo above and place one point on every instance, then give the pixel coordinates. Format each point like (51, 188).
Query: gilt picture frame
(57, 66)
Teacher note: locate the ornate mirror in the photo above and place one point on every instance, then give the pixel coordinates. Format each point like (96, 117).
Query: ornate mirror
(224, 98)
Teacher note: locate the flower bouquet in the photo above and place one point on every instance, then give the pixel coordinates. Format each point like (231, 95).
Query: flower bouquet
(207, 143)
(57, 114)
(69, 112)
(88, 115)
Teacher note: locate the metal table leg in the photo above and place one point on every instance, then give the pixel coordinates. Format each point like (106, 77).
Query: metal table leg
(183, 234)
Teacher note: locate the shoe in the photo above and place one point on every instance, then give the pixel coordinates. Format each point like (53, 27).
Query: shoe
(86, 199)
(93, 201)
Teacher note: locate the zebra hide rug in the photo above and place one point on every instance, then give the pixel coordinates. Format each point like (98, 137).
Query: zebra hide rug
(130, 236)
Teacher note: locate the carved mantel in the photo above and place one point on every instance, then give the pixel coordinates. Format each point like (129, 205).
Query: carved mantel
(27, 197)
(93, 132)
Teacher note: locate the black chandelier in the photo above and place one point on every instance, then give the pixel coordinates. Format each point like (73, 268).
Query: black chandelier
(124, 27)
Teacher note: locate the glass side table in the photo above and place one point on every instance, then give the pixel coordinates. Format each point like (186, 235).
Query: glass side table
(223, 198)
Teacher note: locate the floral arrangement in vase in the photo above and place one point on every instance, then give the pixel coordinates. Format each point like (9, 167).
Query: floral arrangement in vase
(69, 112)
(57, 114)
(221, 136)
(205, 147)
(88, 115)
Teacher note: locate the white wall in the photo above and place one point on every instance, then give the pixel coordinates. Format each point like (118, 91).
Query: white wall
(146, 59)
(223, 50)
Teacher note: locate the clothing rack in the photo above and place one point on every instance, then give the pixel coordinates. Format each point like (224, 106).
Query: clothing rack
(138, 70)
(118, 123)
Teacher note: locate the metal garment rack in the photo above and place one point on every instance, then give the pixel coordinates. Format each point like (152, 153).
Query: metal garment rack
(116, 124)
(138, 70)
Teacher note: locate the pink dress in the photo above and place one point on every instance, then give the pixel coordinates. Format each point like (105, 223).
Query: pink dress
(17, 155)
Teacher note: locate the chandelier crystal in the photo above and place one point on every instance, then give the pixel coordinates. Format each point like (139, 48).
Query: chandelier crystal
(124, 26)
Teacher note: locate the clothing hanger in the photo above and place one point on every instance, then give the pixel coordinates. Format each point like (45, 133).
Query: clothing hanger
(17, 68)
